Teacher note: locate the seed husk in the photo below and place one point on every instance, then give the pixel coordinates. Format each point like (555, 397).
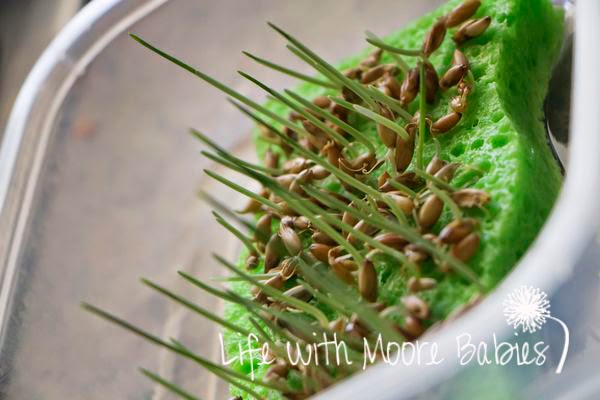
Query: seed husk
(296, 165)
(434, 37)
(416, 306)
(301, 223)
(251, 206)
(467, 247)
(445, 123)
(320, 251)
(430, 211)
(367, 281)
(462, 12)
(404, 149)
(471, 29)
(410, 87)
(354, 73)
(251, 262)
(387, 136)
(372, 59)
(457, 230)
(273, 252)
(453, 76)
(290, 240)
(419, 284)
(415, 253)
(468, 198)
(350, 96)
(298, 292)
(271, 159)
(319, 172)
(372, 74)
(343, 273)
(275, 281)
(392, 240)
(435, 165)
(431, 82)
(408, 179)
(287, 269)
(333, 153)
(262, 232)
(446, 173)
(459, 104)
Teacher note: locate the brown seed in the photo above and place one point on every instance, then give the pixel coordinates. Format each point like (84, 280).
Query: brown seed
(337, 325)
(294, 116)
(367, 281)
(333, 153)
(453, 76)
(390, 87)
(459, 58)
(372, 74)
(323, 238)
(435, 165)
(410, 87)
(251, 262)
(363, 227)
(290, 240)
(402, 201)
(404, 149)
(419, 284)
(468, 198)
(412, 327)
(462, 12)
(275, 282)
(445, 123)
(271, 159)
(415, 253)
(435, 36)
(343, 273)
(430, 211)
(467, 247)
(273, 252)
(301, 223)
(296, 165)
(446, 173)
(262, 232)
(372, 59)
(350, 96)
(322, 101)
(456, 230)
(251, 206)
(471, 29)
(431, 82)
(387, 136)
(408, 179)
(346, 262)
(320, 251)
(319, 172)
(349, 219)
(416, 306)
(392, 240)
(298, 292)
(354, 73)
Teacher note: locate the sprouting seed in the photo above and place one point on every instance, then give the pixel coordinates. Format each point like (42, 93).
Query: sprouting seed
(287, 269)
(296, 165)
(445, 123)
(319, 172)
(301, 223)
(251, 206)
(404, 149)
(462, 12)
(459, 104)
(431, 82)
(271, 159)
(354, 73)
(251, 262)
(390, 87)
(262, 233)
(457, 230)
(403, 202)
(363, 227)
(468, 198)
(323, 238)
(434, 37)
(372, 74)
(466, 248)
(471, 29)
(298, 292)
(430, 211)
(367, 281)
(459, 58)
(350, 96)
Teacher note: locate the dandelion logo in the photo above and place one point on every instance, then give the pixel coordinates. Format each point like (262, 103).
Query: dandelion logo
(529, 308)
